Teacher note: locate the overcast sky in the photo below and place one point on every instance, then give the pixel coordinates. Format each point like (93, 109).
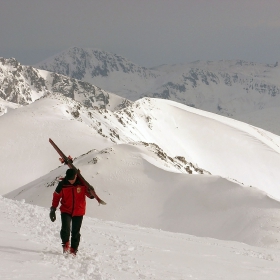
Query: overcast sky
(147, 32)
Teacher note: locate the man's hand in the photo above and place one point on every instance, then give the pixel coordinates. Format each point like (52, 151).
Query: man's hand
(52, 214)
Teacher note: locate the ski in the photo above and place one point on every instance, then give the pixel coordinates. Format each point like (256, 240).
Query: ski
(69, 162)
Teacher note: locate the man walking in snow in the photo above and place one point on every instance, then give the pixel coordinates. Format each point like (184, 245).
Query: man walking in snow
(71, 194)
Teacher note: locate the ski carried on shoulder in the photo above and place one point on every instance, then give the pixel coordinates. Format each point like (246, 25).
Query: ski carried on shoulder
(69, 162)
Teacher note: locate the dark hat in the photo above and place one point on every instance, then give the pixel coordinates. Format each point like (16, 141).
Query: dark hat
(70, 174)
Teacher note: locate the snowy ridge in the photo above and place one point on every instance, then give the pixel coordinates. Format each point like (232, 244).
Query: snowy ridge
(138, 156)
(23, 85)
(115, 251)
(229, 88)
(177, 130)
(142, 189)
(20, 84)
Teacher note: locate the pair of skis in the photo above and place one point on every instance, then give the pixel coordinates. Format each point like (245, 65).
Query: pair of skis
(69, 162)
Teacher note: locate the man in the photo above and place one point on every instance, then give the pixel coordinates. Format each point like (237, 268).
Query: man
(71, 193)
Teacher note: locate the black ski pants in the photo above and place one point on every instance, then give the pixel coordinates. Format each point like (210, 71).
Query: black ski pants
(66, 220)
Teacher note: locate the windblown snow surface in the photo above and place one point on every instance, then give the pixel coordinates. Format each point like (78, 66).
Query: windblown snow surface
(190, 194)
(112, 250)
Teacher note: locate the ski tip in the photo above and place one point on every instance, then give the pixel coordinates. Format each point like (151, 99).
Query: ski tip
(102, 202)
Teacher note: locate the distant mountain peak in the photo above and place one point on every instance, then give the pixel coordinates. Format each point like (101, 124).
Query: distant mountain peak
(80, 63)
(225, 87)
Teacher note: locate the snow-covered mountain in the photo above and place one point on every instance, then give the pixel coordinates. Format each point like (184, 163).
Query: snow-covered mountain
(103, 69)
(229, 88)
(142, 189)
(174, 129)
(156, 163)
(80, 63)
(22, 85)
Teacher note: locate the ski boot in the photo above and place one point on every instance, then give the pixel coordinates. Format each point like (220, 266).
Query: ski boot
(73, 251)
(66, 247)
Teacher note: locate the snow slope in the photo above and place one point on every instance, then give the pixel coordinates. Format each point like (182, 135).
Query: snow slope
(142, 189)
(24, 148)
(6, 106)
(160, 172)
(233, 149)
(30, 248)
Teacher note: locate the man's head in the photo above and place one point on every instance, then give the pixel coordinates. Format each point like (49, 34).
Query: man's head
(70, 174)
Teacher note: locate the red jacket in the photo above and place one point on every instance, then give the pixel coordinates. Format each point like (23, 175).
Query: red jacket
(72, 197)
